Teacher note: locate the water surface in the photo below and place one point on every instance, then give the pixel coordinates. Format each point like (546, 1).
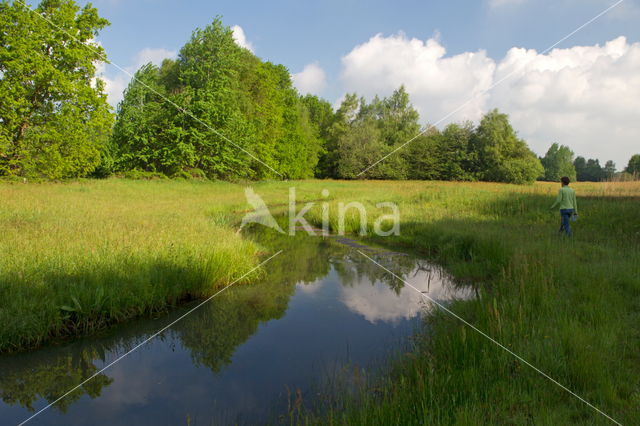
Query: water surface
(322, 312)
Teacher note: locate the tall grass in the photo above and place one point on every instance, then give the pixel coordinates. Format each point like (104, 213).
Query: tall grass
(571, 307)
(77, 256)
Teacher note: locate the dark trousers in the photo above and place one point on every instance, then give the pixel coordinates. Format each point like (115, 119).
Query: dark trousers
(565, 216)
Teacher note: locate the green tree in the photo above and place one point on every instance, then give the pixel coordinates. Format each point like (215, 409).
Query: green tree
(609, 170)
(145, 136)
(208, 68)
(221, 110)
(398, 123)
(342, 120)
(358, 148)
(592, 171)
(54, 116)
(499, 155)
(298, 150)
(455, 154)
(263, 104)
(558, 162)
(634, 165)
(395, 122)
(424, 157)
(321, 117)
(320, 113)
(396, 118)
(580, 165)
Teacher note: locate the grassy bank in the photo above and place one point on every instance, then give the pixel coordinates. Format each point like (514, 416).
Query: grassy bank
(569, 307)
(78, 256)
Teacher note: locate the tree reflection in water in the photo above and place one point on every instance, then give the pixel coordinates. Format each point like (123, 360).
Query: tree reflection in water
(213, 332)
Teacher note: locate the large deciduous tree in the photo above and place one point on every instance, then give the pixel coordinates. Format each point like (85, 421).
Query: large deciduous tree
(609, 170)
(321, 116)
(358, 148)
(217, 108)
(455, 153)
(580, 164)
(634, 165)
(558, 162)
(594, 170)
(588, 170)
(374, 130)
(500, 155)
(145, 133)
(54, 116)
(424, 157)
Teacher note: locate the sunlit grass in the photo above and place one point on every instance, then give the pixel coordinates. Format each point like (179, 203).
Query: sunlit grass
(78, 256)
(570, 307)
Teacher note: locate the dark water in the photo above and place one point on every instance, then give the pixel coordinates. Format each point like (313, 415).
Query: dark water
(322, 315)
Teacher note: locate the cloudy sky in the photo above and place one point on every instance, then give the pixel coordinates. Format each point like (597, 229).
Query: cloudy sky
(456, 58)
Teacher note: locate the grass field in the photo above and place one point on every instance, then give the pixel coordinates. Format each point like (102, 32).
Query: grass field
(76, 257)
(79, 256)
(569, 307)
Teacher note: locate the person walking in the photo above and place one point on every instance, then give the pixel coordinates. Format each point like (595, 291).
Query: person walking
(566, 201)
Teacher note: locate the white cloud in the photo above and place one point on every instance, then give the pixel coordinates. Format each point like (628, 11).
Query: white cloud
(377, 302)
(240, 38)
(587, 97)
(312, 79)
(115, 87)
(437, 84)
(311, 287)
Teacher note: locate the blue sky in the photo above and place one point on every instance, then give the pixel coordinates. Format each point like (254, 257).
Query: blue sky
(324, 33)
(296, 33)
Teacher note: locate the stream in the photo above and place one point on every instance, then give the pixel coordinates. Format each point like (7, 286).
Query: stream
(322, 316)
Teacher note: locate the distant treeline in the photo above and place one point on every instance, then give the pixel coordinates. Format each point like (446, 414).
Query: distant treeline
(220, 112)
(559, 161)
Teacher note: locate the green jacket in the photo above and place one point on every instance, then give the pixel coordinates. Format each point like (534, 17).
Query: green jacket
(566, 199)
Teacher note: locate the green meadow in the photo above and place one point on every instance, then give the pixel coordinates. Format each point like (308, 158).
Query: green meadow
(79, 256)
(571, 308)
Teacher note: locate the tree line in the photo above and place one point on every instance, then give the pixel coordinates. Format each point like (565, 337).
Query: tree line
(561, 161)
(220, 112)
